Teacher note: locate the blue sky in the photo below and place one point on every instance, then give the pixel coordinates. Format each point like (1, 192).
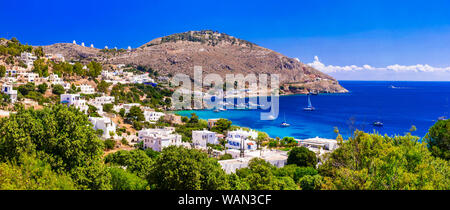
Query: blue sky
(341, 33)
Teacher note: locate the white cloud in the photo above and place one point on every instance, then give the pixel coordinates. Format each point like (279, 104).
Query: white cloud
(399, 72)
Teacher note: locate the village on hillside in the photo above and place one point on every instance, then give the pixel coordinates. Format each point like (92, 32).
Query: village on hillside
(130, 108)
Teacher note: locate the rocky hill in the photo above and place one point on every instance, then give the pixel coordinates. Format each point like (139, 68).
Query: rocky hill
(216, 53)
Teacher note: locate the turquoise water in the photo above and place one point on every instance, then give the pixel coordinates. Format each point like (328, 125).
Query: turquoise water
(409, 103)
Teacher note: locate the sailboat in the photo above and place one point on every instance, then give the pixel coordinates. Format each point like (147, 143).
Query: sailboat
(285, 124)
(378, 124)
(310, 107)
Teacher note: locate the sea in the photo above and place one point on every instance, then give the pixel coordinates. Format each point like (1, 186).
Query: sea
(398, 105)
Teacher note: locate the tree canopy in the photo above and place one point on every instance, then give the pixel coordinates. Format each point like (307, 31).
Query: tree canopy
(375, 162)
(178, 168)
(61, 136)
(302, 156)
(438, 139)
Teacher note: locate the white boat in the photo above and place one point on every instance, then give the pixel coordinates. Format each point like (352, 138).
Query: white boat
(378, 124)
(285, 124)
(309, 107)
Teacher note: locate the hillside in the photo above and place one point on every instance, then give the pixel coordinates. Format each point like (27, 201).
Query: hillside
(216, 53)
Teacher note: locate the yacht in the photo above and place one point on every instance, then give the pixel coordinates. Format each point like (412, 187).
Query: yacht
(309, 107)
(378, 124)
(285, 124)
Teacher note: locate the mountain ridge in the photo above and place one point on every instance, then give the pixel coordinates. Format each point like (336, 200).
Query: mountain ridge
(216, 52)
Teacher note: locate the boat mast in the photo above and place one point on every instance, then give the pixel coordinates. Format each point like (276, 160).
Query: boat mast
(309, 101)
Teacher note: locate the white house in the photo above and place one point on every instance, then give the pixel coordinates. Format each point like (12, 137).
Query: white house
(240, 139)
(31, 77)
(319, 145)
(152, 116)
(28, 58)
(55, 79)
(103, 100)
(105, 124)
(74, 100)
(275, 157)
(157, 139)
(141, 78)
(8, 89)
(86, 89)
(127, 107)
(204, 137)
(107, 74)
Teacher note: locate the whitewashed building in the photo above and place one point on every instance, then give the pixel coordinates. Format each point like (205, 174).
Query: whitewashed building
(86, 89)
(275, 157)
(105, 124)
(74, 100)
(240, 139)
(141, 78)
(28, 58)
(98, 102)
(318, 145)
(32, 77)
(203, 138)
(157, 139)
(152, 116)
(103, 100)
(8, 89)
(127, 107)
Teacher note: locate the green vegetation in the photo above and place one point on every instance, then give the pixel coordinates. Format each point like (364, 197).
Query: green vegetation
(178, 168)
(4, 99)
(122, 179)
(40, 67)
(113, 51)
(14, 48)
(375, 162)
(42, 88)
(32, 174)
(303, 157)
(30, 91)
(286, 142)
(58, 90)
(438, 139)
(209, 37)
(57, 148)
(135, 117)
(59, 136)
(226, 157)
(64, 69)
(2, 71)
(95, 69)
(136, 161)
(193, 124)
(154, 97)
(221, 126)
(108, 108)
(261, 175)
(103, 86)
(109, 143)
